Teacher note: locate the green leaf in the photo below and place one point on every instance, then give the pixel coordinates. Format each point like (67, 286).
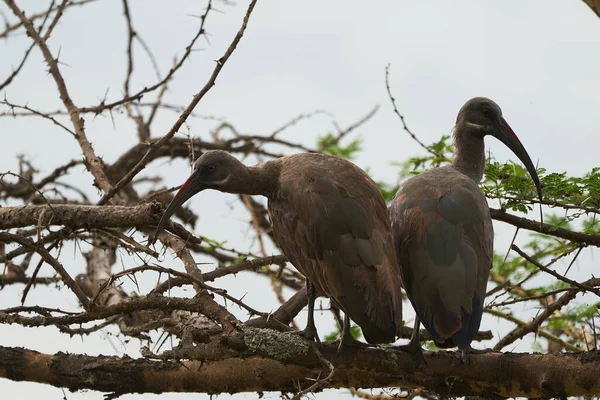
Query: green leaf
(331, 145)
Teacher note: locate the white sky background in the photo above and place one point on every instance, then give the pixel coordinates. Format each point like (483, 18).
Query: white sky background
(540, 60)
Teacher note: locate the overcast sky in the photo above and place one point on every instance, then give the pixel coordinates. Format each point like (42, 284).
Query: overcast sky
(539, 60)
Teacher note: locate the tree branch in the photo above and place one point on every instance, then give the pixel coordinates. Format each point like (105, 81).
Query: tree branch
(594, 5)
(76, 216)
(186, 113)
(531, 225)
(93, 162)
(490, 375)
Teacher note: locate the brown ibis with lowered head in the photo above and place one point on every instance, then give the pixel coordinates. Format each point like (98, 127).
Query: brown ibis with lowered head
(443, 231)
(330, 221)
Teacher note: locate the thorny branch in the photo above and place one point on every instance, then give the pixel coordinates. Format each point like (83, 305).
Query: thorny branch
(93, 163)
(393, 101)
(186, 113)
(42, 214)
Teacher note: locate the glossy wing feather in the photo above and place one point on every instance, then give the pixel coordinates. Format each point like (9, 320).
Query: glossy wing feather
(444, 240)
(331, 222)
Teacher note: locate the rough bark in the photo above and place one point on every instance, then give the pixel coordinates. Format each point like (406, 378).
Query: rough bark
(267, 368)
(77, 217)
(535, 226)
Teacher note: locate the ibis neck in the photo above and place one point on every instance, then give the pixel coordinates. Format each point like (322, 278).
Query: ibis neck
(260, 179)
(470, 155)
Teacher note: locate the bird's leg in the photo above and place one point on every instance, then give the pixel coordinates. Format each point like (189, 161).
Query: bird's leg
(415, 343)
(414, 346)
(310, 332)
(470, 350)
(347, 339)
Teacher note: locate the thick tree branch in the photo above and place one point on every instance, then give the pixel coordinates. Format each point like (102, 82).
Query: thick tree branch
(532, 225)
(76, 217)
(490, 375)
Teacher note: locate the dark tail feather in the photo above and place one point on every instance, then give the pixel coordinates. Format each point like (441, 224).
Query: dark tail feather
(376, 335)
(363, 304)
(470, 325)
(438, 321)
(356, 308)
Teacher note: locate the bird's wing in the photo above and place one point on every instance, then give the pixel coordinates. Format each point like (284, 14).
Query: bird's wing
(332, 224)
(444, 241)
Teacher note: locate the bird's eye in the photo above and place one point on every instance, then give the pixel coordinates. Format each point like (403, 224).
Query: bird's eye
(211, 167)
(486, 111)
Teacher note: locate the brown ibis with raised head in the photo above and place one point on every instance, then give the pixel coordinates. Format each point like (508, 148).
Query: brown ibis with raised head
(330, 221)
(443, 231)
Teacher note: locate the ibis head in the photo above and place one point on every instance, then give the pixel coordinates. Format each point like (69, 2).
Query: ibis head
(212, 170)
(480, 117)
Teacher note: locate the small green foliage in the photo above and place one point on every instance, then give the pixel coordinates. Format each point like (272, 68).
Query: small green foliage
(333, 335)
(584, 312)
(537, 347)
(331, 145)
(354, 330)
(579, 191)
(591, 226)
(508, 267)
(555, 285)
(443, 154)
(574, 315)
(212, 244)
(387, 191)
(430, 345)
(511, 182)
(558, 323)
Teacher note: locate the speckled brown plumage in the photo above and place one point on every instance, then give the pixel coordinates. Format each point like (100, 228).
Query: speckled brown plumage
(330, 220)
(444, 238)
(443, 231)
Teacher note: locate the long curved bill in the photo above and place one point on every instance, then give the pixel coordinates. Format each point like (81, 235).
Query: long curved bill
(508, 137)
(191, 187)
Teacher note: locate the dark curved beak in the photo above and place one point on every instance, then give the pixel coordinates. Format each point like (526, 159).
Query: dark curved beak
(507, 136)
(192, 186)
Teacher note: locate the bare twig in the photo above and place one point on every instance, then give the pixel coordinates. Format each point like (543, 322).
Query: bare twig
(93, 163)
(41, 250)
(535, 324)
(555, 274)
(524, 328)
(393, 100)
(343, 132)
(320, 383)
(128, 99)
(39, 114)
(9, 28)
(186, 113)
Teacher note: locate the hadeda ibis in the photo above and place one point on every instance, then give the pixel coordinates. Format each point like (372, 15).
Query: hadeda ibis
(443, 231)
(330, 221)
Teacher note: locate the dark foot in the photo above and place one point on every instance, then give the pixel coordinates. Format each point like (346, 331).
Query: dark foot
(470, 350)
(349, 341)
(417, 352)
(308, 334)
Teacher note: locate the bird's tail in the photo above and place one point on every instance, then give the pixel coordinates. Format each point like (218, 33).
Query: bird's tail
(374, 303)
